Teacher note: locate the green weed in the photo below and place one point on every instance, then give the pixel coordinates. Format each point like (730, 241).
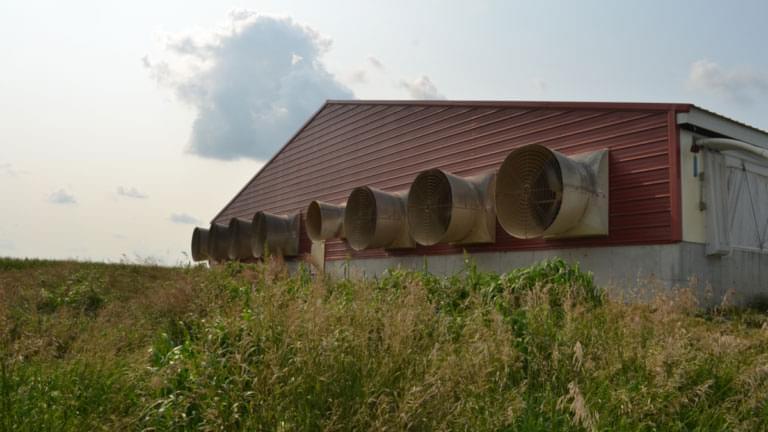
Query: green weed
(252, 347)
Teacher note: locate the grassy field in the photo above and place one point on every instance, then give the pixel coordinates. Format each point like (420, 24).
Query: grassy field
(248, 347)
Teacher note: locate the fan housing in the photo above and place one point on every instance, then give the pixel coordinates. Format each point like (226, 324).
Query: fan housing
(278, 234)
(240, 233)
(199, 244)
(218, 242)
(325, 221)
(543, 193)
(376, 219)
(444, 208)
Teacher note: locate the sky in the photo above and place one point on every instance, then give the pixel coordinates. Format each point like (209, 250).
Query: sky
(125, 124)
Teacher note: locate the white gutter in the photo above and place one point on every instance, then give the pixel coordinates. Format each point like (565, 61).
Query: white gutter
(725, 144)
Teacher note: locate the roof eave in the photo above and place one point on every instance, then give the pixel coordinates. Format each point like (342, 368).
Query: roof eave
(700, 118)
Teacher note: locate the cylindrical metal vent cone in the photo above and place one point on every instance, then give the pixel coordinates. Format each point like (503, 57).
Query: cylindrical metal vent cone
(277, 234)
(539, 191)
(373, 218)
(259, 235)
(239, 239)
(360, 218)
(324, 220)
(442, 207)
(199, 244)
(218, 242)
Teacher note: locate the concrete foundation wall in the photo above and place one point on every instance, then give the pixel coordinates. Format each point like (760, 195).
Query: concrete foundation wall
(743, 275)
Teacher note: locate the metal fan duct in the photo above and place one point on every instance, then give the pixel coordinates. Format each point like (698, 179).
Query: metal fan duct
(239, 239)
(376, 219)
(276, 234)
(325, 221)
(543, 193)
(199, 244)
(218, 242)
(444, 208)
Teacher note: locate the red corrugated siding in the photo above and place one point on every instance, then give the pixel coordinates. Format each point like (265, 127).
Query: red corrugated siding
(386, 144)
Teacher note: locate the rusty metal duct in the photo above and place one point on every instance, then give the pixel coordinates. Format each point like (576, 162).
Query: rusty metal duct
(444, 208)
(543, 193)
(199, 244)
(376, 219)
(239, 239)
(277, 234)
(218, 242)
(325, 221)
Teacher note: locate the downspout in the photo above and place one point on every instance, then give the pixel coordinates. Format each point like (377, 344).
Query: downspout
(729, 144)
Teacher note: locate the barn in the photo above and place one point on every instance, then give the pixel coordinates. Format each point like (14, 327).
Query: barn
(635, 192)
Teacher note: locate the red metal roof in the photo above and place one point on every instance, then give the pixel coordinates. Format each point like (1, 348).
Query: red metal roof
(387, 143)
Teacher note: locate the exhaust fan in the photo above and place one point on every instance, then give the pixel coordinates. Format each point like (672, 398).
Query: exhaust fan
(376, 219)
(218, 242)
(278, 234)
(239, 239)
(444, 208)
(199, 244)
(543, 193)
(325, 221)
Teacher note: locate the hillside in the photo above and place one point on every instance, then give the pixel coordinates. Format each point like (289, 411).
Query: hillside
(247, 347)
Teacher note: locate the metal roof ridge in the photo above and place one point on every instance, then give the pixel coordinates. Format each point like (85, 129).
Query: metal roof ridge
(661, 106)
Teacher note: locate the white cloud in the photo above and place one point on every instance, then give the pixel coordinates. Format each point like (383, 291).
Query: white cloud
(376, 63)
(62, 197)
(131, 192)
(7, 245)
(252, 83)
(7, 169)
(358, 77)
(184, 219)
(740, 84)
(421, 88)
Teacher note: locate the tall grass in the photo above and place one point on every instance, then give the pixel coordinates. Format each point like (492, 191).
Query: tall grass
(250, 347)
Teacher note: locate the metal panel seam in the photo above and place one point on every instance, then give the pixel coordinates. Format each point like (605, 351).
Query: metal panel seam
(674, 177)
